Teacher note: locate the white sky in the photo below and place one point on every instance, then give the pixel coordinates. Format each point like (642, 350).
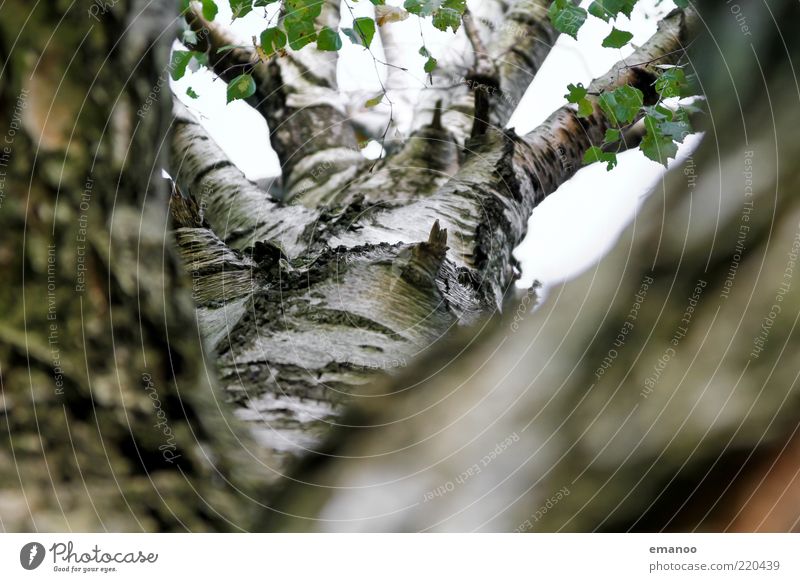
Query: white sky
(576, 225)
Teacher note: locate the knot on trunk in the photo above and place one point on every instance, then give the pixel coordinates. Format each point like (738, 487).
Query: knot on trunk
(184, 210)
(426, 258)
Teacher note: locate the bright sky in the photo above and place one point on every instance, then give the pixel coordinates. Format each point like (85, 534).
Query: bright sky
(577, 224)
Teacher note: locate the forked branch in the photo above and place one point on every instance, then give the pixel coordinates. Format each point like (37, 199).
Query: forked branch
(239, 212)
(297, 95)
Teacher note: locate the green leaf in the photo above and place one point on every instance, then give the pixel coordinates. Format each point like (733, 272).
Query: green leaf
(622, 104)
(449, 15)
(300, 33)
(200, 58)
(627, 6)
(374, 101)
(608, 9)
(240, 8)
(421, 7)
(272, 40)
(303, 10)
(365, 28)
(179, 62)
(241, 87)
(446, 13)
(681, 3)
(378, 2)
(430, 65)
(596, 154)
(658, 112)
(693, 108)
(677, 130)
(328, 40)
(352, 35)
(655, 145)
(210, 9)
(191, 93)
(673, 124)
(617, 38)
(566, 17)
(299, 21)
(446, 18)
(261, 3)
(612, 136)
(673, 83)
(577, 94)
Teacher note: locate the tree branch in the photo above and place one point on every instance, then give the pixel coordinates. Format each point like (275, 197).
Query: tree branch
(297, 95)
(239, 212)
(450, 89)
(519, 49)
(516, 37)
(569, 135)
(111, 416)
(486, 205)
(483, 77)
(212, 36)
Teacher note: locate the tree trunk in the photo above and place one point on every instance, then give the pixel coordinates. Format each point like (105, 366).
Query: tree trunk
(350, 322)
(110, 416)
(403, 253)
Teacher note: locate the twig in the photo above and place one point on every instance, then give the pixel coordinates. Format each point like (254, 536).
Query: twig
(383, 87)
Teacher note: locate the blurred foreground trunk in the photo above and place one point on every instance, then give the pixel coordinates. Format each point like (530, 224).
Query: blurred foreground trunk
(107, 409)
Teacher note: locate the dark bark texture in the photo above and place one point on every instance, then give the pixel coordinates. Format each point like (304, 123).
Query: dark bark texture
(108, 412)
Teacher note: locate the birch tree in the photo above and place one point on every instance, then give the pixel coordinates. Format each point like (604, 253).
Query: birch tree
(343, 352)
